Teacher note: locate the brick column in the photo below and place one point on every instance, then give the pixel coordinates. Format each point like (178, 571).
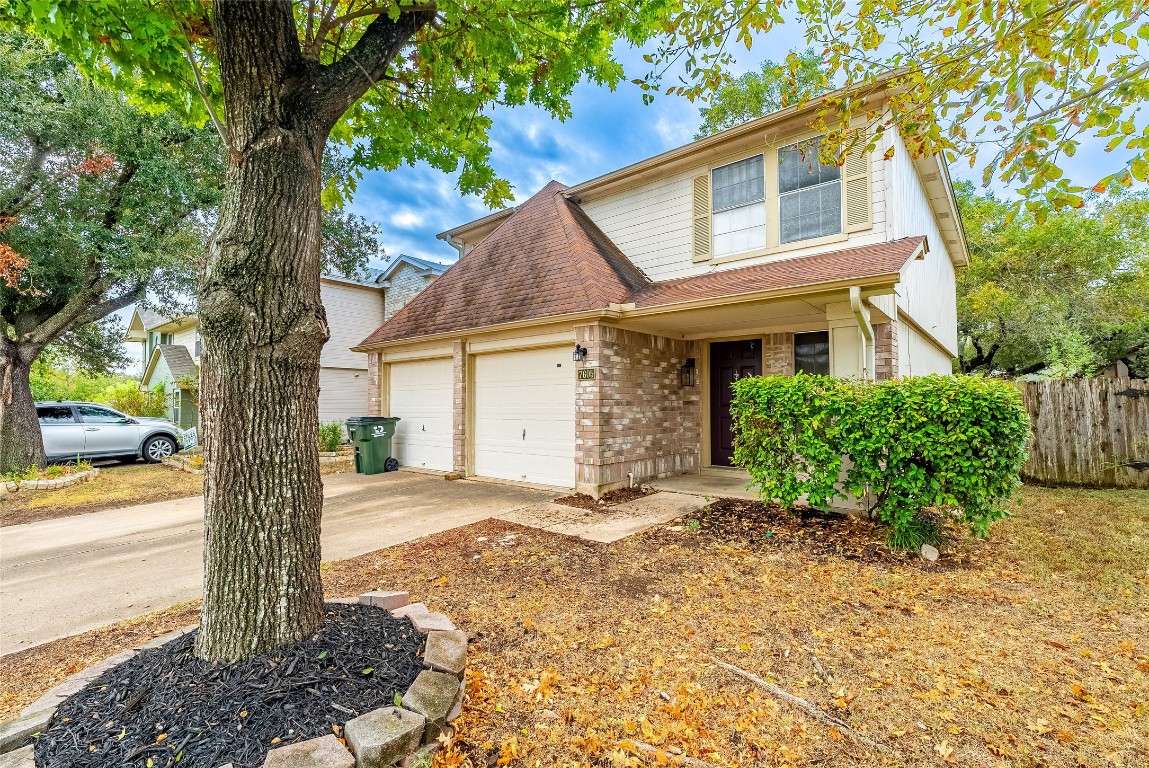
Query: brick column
(374, 388)
(886, 351)
(778, 355)
(459, 408)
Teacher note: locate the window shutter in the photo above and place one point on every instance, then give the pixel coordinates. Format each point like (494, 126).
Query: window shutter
(701, 250)
(856, 180)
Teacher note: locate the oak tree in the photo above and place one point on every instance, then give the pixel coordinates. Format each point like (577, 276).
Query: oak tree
(771, 87)
(394, 82)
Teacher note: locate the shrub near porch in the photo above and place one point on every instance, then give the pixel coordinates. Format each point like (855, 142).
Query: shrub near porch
(953, 444)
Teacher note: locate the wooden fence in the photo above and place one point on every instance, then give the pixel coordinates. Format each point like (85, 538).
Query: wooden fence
(1091, 432)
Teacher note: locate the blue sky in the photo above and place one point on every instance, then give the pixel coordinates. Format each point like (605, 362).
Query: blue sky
(608, 130)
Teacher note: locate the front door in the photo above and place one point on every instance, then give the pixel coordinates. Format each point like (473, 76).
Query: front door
(729, 361)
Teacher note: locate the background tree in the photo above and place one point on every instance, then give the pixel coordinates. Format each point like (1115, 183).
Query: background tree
(1010, 86)
(103, 204)
(396, 82)
(771, 88)
(1068, 292)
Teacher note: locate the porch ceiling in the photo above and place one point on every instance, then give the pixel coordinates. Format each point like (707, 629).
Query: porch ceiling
(793, 314)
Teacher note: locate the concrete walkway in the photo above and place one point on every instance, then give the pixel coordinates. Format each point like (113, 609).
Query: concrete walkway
(62, 577)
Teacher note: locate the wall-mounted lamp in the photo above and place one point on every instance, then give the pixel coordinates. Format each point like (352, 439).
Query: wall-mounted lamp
(579, 353)
(686, 373)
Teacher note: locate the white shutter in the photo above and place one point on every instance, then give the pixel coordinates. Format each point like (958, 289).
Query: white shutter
(856, 181)
(701, 250)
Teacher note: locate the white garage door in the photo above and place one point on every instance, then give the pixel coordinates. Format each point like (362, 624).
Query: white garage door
(421, 396)
(525, 416)
(342, 394)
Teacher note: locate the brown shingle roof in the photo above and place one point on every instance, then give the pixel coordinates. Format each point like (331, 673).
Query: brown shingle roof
(547, 259)
(847, 264)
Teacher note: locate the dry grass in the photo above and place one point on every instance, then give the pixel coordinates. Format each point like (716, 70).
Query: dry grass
(1028, 650)
(117, 485)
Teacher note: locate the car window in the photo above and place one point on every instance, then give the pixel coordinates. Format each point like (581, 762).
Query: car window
(55, 414)
(91, 414)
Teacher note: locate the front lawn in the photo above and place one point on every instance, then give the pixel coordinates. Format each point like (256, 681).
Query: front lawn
(1027, 650)
(117, 485)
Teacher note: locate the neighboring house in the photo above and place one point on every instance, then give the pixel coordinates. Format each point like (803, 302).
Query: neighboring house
(354, 308)
(589, 337)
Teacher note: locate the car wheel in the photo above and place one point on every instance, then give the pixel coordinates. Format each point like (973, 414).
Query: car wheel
(158, 448)
(390, 465)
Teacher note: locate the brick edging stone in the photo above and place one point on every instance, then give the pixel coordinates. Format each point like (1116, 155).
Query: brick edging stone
(405, 735)
(48, 485)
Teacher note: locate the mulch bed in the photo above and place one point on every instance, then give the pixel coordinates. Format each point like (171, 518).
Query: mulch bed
(164, 707)
(757, 525)
(618, 496)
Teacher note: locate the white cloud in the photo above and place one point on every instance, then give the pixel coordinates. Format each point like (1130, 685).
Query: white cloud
(406, 218)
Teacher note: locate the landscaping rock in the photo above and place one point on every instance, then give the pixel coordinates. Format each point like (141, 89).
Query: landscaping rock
(446, 651)
(48, 702)
(13, 733)
(457, 707)
(382, 737)
(432, 695)
(388, 601)
(423, 755)
(424, 620)
(407, 610)
(21, 758)
(930, 553)
(324, 752)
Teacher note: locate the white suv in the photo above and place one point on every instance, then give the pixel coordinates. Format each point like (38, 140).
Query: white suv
(74, 430)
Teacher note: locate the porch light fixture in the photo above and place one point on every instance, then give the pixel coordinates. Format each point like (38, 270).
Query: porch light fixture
(579, 353)
(686, 373)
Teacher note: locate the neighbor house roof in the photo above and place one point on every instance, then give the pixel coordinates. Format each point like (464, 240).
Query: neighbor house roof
(424, 266)
(849, 264)
(177, 358)
(547, 259)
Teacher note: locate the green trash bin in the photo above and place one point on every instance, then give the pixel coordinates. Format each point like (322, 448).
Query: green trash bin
(371, 436)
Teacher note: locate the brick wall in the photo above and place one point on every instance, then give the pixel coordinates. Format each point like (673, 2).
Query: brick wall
(374, 391)
(459, 408)
(885, 351)
(778, 354)
(634, 416)
(405, 283)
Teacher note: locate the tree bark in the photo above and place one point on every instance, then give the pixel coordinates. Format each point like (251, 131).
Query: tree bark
(21, 444)
(263, 325)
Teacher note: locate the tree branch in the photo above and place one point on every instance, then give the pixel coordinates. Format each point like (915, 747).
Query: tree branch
(343, 82)
(23, 187)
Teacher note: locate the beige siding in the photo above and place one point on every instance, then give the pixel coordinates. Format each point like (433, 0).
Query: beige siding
(652, 222)
(917, 356)
(928, 292)
(185, 336)
(342, 393)
(353, 313)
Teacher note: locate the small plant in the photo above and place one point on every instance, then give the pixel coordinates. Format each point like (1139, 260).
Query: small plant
(920, 529)
(330, 436)
(83, 465)
(55, 471)
(31, 473)
(693, 525)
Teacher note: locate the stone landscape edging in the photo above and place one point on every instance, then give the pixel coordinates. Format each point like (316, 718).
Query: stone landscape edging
(403, 735)
(49, 485)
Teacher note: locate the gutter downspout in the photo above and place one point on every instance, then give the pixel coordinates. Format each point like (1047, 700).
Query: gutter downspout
(456, 244)
(867, 332)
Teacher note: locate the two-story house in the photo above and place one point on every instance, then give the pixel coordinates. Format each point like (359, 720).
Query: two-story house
(172, 346)
(589, 336)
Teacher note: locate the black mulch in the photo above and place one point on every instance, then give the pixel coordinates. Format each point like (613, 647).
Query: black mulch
(164, 707)
(754, 524)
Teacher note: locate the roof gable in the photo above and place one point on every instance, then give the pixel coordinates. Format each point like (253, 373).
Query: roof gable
(546, 259)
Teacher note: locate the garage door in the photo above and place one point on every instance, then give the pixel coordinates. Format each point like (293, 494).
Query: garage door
(525, 416)
(421, 396)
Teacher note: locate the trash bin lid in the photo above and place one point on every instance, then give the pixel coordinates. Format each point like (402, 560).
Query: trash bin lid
(372, 419)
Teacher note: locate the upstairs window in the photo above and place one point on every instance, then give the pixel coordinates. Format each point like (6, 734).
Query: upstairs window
(738, 205)
(810, 193)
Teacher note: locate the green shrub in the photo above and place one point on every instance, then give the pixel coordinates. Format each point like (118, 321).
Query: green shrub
(330, 436)
(949, 443)
(130, 399)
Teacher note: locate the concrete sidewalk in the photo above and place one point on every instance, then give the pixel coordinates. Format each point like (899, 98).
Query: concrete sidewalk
(66, 576)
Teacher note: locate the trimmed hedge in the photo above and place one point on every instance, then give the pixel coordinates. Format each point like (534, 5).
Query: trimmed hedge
(954, 443)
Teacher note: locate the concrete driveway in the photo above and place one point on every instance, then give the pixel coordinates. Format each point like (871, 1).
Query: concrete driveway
(62, 577)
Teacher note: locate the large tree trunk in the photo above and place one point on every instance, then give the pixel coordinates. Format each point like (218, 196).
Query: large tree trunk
(263, 328)
(21, 444)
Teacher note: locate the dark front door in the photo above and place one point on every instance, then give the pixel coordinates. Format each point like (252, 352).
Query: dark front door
(729, 361)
